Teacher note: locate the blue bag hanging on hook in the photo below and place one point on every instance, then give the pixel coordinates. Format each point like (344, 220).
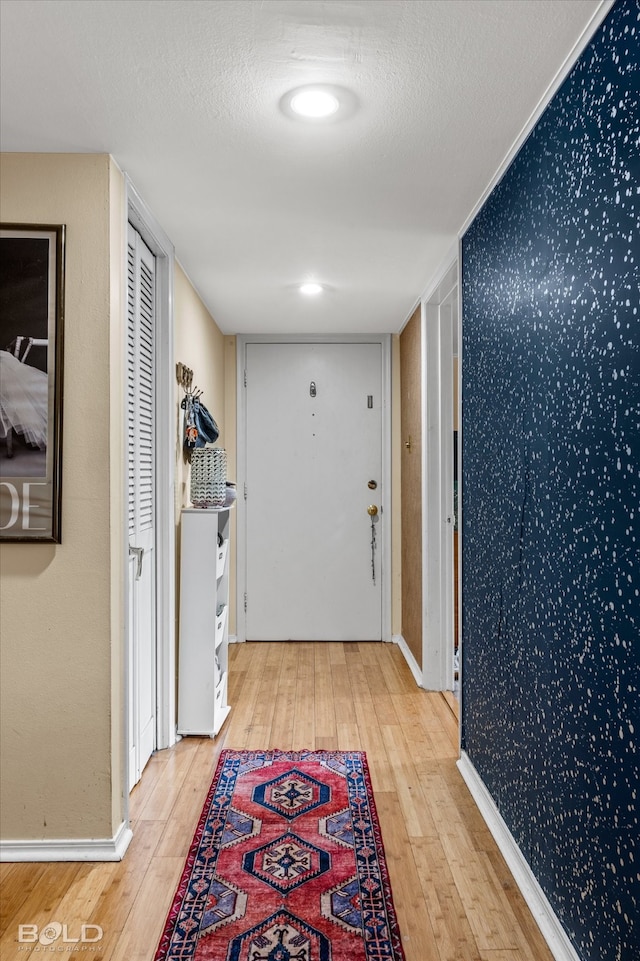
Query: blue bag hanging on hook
(199, 426)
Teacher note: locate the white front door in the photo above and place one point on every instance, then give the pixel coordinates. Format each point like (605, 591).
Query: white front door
(314, 415)
(141, 309)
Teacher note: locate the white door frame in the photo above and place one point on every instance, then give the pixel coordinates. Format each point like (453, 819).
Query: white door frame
(437, 473)
(138, 214)
(385, 342)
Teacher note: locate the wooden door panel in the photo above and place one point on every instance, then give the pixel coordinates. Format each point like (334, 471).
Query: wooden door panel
(411, 489)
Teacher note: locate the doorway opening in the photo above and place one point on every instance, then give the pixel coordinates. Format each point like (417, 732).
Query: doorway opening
(440, 317)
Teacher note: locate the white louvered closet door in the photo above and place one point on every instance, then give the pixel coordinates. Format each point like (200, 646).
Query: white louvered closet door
(141, 497)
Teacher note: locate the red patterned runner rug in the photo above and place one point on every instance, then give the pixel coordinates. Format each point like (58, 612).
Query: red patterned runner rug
(286, 864)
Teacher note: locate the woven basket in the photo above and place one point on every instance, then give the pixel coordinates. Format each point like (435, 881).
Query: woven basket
(208, 477)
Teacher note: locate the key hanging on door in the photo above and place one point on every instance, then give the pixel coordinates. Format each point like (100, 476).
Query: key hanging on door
(372, 511)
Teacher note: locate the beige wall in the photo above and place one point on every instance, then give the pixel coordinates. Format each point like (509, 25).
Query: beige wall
(62, 621)
(201, 346)
(118, 464)
(62, 612)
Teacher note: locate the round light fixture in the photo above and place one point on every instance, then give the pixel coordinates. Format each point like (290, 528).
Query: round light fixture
(314, 103)
(311, 289)
(319, 103)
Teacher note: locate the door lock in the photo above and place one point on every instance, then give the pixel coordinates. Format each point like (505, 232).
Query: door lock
(372, 510)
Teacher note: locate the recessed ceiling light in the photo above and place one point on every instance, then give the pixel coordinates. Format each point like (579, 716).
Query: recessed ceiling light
(311, 289)
(319, 103)
(314, 103)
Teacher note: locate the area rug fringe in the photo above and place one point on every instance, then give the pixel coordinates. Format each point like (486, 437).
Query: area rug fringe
(287, 863)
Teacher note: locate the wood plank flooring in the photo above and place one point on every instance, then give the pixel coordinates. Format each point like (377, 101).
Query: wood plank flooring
(454, 896)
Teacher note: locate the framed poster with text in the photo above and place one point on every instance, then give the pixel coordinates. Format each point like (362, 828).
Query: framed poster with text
(31, 339)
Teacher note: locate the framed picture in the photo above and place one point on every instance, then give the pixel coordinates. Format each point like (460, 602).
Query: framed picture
(31, 334)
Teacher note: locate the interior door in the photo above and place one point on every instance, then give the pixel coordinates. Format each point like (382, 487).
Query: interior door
(141, 503)
(313, 470)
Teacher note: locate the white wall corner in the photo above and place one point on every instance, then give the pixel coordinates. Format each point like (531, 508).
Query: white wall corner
(75, 849)
(543, 914)
(409, 658)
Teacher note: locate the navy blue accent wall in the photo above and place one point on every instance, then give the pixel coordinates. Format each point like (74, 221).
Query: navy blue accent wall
(551, 448)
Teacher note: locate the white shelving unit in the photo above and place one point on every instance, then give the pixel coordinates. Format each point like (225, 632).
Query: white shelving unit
(204, 630)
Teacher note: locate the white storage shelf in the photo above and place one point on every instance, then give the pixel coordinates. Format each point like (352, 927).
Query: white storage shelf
(204, 629)
(221, 559)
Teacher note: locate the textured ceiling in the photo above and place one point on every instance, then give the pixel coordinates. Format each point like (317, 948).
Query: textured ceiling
(185, 95)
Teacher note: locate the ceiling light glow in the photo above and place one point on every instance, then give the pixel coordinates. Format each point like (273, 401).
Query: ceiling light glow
(314, 103)
(311, 289)
(319, 103)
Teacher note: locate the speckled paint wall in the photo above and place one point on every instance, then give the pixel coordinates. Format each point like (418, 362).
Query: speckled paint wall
(551, 434)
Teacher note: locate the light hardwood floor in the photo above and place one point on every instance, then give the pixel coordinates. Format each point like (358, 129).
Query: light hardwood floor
(454, 896)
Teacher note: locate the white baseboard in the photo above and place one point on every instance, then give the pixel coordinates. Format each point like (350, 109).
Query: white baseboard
(233, 639)
(544, 915)
(409, 658)
(74, 849)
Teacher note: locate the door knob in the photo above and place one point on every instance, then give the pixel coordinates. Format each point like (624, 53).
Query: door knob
(372, 510)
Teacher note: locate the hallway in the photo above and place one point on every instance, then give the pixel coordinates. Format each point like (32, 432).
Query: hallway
(454, 896)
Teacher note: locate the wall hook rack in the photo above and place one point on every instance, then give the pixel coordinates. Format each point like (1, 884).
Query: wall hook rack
(184, 376)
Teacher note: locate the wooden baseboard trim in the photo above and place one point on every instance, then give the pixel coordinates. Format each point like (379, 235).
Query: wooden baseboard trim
(74, 849)
(544, 915)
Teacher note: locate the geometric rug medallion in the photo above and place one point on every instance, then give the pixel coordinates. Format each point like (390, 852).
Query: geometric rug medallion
(286, 864)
